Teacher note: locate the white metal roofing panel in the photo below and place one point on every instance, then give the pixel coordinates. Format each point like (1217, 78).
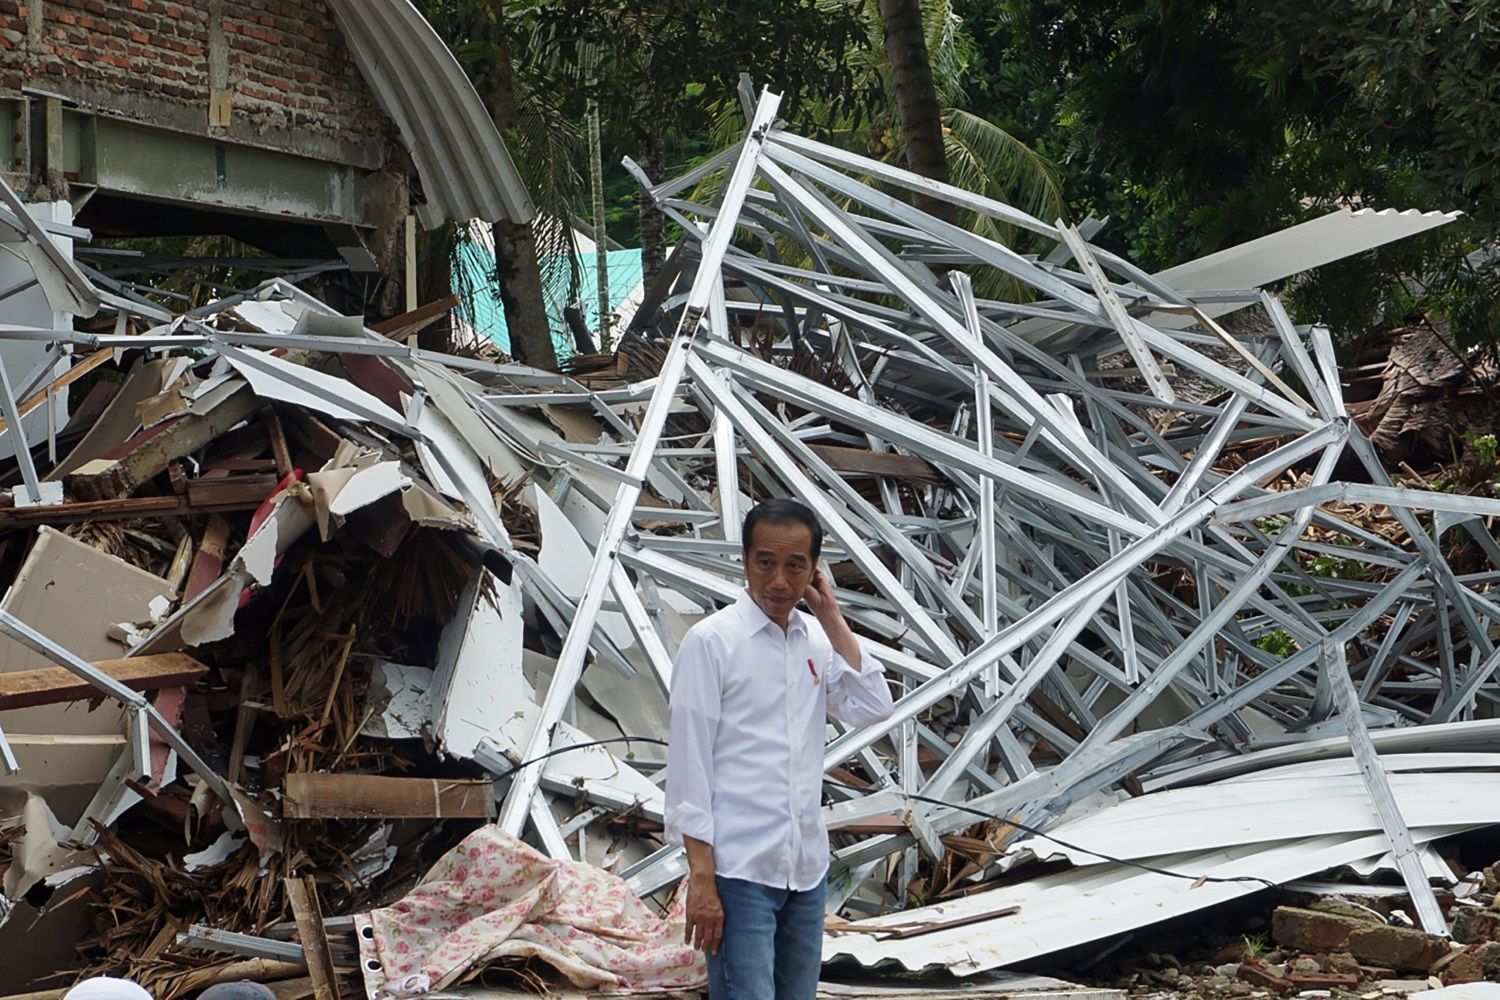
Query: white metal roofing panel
(465, 169)
(1080, 905)
(1480, 735)
(1227, 814)
(1393, 763)
(1319, 241)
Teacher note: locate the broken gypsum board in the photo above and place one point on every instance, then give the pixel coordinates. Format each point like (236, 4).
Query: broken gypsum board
(142, 709)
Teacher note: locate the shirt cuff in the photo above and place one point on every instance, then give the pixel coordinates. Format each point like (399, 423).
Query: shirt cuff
(685, 820)
(868, 664)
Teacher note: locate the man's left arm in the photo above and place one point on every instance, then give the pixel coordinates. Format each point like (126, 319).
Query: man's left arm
(857, 690)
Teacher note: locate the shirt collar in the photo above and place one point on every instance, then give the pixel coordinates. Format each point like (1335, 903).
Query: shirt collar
(755, 619)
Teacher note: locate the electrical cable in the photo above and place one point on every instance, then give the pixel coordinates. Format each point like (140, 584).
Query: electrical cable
(555, 751)
(1195, 879)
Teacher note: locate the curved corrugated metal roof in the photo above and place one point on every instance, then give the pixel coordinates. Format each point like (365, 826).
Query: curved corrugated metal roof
(466, 171)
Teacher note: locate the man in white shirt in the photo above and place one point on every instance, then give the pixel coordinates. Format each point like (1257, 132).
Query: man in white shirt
(751, 691)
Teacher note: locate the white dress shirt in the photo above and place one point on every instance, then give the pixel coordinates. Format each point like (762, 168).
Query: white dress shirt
(745, 765)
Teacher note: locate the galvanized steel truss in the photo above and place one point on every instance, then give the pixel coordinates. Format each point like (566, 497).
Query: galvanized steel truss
(1088, 554)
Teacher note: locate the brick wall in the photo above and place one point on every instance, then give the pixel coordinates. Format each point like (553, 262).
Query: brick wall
(283, 62)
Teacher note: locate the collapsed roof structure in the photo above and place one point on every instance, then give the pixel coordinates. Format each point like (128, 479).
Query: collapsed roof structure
(1123, 564)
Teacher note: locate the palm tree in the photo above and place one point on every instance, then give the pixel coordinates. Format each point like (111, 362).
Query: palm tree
(979, 155)
(529, 258)
(910, 70)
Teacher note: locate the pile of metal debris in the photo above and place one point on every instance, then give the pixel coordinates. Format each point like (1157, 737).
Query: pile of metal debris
(1165, 631)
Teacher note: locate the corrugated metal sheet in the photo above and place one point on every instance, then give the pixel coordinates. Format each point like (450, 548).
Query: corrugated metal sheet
(1267, 809)
(465, 169)
(1311, 244)
(1246, 828)
(1080, 905)
(1479, 736)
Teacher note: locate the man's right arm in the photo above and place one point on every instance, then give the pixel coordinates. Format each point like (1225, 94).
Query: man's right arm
(705, 915)
(689, 798)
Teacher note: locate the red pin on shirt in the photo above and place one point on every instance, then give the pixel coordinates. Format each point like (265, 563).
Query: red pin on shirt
(812, 670)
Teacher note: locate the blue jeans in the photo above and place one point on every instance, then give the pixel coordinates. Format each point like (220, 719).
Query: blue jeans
(773, 943)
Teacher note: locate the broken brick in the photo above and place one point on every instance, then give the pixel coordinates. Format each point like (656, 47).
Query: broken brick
(1399, 947)
(1258, 975)
(1322, 980)
(1466, 967)
(1473, 926)
(1311, 930)
(1488, 954)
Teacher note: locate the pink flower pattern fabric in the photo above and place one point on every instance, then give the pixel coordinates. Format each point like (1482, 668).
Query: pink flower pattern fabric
(495, 897)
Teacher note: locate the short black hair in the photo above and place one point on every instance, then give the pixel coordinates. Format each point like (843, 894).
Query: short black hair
(782, 511)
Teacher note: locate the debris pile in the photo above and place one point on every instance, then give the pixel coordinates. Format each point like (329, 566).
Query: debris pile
(339, 602)
(1352, 939)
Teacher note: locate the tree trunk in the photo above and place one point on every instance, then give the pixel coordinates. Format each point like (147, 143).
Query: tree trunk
(653, 242)
(435, 281)
(516, 265)
(916, 96)
(521, 294)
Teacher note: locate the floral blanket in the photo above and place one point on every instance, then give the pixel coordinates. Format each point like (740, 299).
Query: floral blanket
(494, 897)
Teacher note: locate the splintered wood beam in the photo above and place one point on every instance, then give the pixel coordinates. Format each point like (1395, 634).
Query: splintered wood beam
(51, 685)
(67, 378)
(373, 796)
(302, 893)
(129, 509)
(402, 326)
(149, 453)
(863, 462)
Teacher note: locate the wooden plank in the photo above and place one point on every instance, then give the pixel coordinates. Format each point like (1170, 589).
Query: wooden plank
(248, 488)
(863, 462)
(899, 931)
(68, 377)
(128, 509)
(292, 989)
(377, 377)
(256, 970)
(373, 796)
(302, 893)
(150, 452)
(243, 721)
(208, 564)
(50, 685)
(402, 326)
(316, 438)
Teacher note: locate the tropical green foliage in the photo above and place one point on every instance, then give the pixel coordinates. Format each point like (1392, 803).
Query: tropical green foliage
(1196, 125)
(1192, 125)
(982, 156)
(545, 137)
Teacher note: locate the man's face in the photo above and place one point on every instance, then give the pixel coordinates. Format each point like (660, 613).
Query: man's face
(778, 567)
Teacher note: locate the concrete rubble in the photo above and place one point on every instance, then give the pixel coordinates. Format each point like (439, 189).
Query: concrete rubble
(297, 613)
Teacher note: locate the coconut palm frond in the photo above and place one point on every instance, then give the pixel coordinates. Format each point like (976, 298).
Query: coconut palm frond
(949, 50)
(986, 159)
